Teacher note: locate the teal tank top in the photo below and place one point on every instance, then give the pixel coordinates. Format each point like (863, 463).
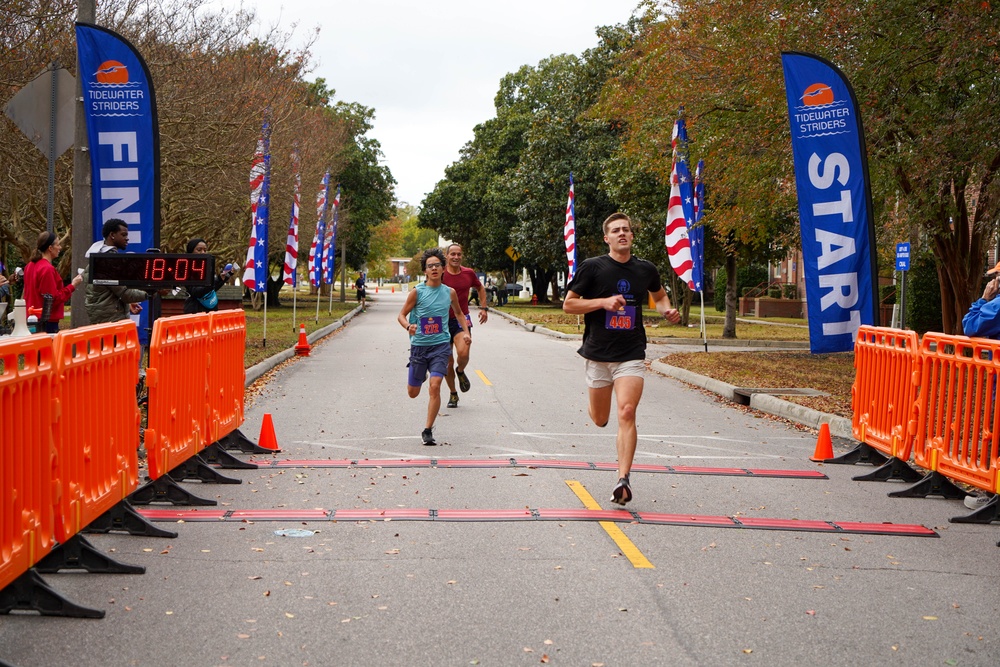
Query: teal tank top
(431, 315)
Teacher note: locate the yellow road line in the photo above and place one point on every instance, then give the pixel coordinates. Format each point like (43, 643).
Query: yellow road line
(484, 379)
(631, 551)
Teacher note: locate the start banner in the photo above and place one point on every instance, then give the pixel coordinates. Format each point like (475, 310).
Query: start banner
(831, 176)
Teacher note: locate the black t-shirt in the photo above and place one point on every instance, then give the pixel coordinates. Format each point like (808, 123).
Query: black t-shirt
(615, 336)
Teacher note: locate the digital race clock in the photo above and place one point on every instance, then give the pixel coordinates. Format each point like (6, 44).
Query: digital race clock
(152, 270)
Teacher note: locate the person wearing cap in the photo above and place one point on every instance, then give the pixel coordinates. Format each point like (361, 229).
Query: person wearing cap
(983, 321)
(41, 278)
(983, 318)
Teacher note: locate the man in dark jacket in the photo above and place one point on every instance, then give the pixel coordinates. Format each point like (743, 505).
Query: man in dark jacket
(111, 303)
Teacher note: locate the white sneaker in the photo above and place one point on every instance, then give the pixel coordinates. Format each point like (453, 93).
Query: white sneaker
(974, 502)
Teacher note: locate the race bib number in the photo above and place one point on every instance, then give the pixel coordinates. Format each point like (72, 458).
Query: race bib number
(430, 326)
(622, 320)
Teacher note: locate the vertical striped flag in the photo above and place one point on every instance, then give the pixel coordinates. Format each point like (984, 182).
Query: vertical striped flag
(290, 274)
(569, 232)
(255, 273)
(330, 244)
(696, 233)
(680, 214)
(316, 249)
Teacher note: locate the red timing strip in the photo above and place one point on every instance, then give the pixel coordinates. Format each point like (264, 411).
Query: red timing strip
(535, 463)
(621, 516)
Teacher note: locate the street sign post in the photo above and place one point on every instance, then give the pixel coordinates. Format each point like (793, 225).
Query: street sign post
(902, 265)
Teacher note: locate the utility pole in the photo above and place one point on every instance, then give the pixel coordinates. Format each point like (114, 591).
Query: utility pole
(82, 227)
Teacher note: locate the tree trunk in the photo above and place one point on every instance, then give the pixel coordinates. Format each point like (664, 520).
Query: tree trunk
(539, 280)
(729, 328)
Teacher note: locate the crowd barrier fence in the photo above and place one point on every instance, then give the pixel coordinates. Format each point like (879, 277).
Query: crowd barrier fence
(97, 432)
(27, 454)
(932, 403)
(177, 381)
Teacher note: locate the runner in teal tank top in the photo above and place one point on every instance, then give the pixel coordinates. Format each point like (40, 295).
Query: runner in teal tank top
(425, 317)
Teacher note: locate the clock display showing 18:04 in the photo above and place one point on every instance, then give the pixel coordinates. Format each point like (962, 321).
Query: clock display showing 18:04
(152, 271)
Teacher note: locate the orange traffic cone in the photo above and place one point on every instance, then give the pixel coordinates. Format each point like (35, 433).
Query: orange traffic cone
(824, 446)
(302, 347)
(393, 289)
(267, 440)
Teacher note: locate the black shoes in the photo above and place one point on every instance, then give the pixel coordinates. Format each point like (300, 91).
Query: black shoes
(463, 381)
(428, 437)
(622, 492)
(453, 400)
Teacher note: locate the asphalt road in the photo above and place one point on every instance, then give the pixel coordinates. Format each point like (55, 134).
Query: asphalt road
(484, 592)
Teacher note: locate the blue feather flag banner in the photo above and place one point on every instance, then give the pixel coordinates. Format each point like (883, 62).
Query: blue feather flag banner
(831, 178)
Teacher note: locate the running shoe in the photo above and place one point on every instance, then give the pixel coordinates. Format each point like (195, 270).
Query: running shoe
(453, 400)
(427, 435)
(622, 493)
(975, 501)
(463, 381)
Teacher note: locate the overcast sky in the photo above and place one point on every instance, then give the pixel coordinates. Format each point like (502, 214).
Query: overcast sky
(430, 68)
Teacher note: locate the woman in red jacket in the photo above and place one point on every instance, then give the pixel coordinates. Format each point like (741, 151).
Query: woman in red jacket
(41, 277)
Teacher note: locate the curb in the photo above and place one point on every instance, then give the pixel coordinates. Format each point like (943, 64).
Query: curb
(839, 426)
(255, 372)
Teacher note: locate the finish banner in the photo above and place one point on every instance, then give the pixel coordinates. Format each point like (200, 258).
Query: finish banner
(123, 131)
(831, 176)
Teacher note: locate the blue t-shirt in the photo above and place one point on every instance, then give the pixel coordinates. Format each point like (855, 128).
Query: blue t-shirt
(431, 315)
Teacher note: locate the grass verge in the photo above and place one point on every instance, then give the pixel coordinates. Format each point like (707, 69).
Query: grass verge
(830, 373)
(282, 331)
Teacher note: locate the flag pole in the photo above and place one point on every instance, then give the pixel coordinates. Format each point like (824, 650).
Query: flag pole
(704, 327)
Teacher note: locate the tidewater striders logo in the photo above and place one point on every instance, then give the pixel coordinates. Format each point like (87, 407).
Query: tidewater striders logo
(821, 113)
(112, 93)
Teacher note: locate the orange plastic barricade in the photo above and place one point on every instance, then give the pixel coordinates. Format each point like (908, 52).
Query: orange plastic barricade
(886, 372)
(177, 379)
(27, 454)
(957, 421)
(97, 432)
(226, 374)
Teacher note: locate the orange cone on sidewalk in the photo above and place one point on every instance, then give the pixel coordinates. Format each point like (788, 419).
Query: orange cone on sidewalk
(302, 347)
(393, 289)
(824, 446)
(267, 440)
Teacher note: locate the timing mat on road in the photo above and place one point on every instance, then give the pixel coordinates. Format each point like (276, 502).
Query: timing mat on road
(534, 463)
(482, 515)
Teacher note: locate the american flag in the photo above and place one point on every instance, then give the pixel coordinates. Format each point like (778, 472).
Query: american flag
(696, 233)
(569, 232)
(316, 249)
(680, 214)
(255, 273)
(290, 276)
(330, 243)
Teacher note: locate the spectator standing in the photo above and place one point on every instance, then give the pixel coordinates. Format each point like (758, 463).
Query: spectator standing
(111, 303)
(41, 278)
(983, 321)
(204, 299)
(609, 291)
